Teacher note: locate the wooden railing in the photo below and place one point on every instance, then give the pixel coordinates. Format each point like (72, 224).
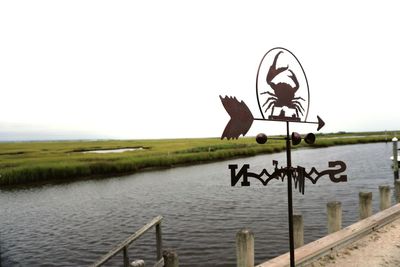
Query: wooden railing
(125, 244)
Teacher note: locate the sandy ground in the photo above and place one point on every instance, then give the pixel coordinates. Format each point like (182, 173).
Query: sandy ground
(380, 248)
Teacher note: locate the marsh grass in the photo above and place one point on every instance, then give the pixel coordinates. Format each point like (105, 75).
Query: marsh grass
(33, 162)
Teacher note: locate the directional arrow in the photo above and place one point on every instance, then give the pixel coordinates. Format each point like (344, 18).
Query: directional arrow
(242, 119)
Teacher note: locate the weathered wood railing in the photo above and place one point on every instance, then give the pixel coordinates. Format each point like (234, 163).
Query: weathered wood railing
(156, 222)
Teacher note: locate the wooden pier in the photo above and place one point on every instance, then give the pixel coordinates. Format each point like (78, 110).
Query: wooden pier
(338, 238)
(324, 246)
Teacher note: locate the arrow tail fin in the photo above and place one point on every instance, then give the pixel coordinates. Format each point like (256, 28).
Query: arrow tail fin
(241, 118)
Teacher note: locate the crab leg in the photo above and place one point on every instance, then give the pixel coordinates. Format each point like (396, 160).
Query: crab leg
(269, 93)
(298, 104)
(298, 98)
(270, 104)
(270, 98)
(298, 110)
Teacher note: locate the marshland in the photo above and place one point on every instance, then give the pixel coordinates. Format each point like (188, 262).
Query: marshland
(24, 163)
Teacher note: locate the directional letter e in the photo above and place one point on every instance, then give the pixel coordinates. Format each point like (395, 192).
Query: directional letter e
(236, 177)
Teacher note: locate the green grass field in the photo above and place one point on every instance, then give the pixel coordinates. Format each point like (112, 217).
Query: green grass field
(24, 163)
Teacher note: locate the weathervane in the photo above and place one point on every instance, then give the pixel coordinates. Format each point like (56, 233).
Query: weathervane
(282, 96)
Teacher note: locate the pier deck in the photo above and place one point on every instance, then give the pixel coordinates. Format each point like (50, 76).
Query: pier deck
(379, 248)
(369, 232)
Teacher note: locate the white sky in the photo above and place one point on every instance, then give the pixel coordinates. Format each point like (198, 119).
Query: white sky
(155, 69)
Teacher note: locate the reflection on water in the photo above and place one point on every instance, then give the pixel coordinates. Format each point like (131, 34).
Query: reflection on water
(74, 224)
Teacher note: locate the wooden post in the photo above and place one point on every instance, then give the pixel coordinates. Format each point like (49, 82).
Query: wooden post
(384, 196)
(298, 230)
(334, 211)
(395, 162)
(126, 258)
(397, 190)
(170, 258)
(365, 204)
(159, 241)
(245, 248)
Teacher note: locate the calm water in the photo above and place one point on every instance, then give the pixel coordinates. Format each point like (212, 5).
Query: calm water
(74, 224)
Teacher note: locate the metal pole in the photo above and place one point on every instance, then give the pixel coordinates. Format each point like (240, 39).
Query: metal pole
(395, 162)
(290, 201)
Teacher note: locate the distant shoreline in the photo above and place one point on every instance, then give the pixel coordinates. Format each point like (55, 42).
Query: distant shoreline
(30, 163)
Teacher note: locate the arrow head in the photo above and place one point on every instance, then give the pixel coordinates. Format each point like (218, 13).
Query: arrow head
(321, 123)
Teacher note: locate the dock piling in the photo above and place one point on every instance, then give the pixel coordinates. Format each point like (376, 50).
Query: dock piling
(170, 258)
(365, 204)
(159, 241)
(397, 190)
(334, 212)
(125, 255)
(384, 196)
(245, 248)
(298, 230)
(395, 160)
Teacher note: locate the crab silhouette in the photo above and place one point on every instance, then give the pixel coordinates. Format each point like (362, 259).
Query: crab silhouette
(284, 94)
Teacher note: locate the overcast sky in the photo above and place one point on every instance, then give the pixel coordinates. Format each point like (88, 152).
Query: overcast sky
(155, 69)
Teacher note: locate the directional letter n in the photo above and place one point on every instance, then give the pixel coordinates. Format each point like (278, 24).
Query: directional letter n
(236, 177)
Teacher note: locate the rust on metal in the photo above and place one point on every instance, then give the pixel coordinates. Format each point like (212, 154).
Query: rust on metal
(298, 174)
(283, 95)
(282, 87)
(241, 118)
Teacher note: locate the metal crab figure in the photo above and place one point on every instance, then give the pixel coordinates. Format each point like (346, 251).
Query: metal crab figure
(284, 94)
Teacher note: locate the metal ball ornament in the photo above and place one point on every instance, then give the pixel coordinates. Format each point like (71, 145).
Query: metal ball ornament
(261, 138)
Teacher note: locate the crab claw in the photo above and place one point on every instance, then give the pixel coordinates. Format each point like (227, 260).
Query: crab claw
(273, 71)
(294, 79)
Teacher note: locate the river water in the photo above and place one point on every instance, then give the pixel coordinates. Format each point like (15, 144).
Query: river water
(74, 224)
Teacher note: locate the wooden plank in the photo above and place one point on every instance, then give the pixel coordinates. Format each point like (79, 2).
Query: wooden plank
(325, 245)
(128, 241)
